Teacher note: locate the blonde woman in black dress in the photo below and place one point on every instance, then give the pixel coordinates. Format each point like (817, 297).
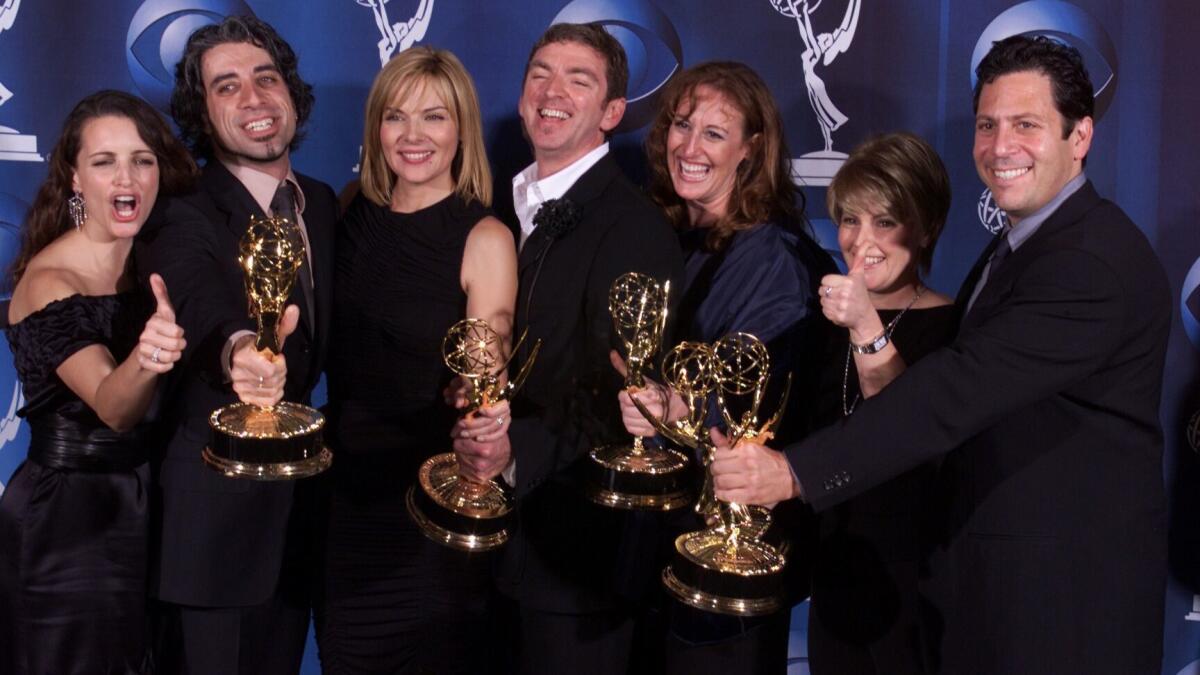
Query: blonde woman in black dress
(417, 250)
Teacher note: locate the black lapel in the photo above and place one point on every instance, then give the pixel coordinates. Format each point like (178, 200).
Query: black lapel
(585, 190)
(1067, 215)
(233, 199)
(230, 196)
(968, 285)
(319, 217)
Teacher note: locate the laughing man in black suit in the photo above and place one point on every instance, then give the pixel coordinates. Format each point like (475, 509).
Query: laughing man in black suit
(582, 225)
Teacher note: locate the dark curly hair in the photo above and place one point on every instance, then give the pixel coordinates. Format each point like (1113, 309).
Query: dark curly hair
(188, 99)
(1072, 88)
(763, 190)
(48, 218)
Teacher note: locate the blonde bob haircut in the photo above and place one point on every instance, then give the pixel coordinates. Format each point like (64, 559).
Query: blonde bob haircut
(403, 76)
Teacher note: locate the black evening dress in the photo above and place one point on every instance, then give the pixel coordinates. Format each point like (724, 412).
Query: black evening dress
(866, 612)
(763, 283)
(392, 600)
(74, 517)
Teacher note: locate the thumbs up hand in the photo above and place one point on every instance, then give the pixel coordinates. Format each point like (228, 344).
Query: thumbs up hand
(161, 343)
(846, 302)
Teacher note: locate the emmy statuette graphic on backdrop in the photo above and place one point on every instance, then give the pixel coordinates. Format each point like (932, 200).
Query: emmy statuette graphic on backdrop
(448, 508)
(634, 475)
(284, 441)
(398, 36)
(726, 568)
(819, 167)
(14, 145)
(1193, 615)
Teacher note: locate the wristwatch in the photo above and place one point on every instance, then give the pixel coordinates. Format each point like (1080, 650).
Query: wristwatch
(873, 346)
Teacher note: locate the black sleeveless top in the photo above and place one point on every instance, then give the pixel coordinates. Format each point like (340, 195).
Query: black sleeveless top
(64, 432)
(397, 290)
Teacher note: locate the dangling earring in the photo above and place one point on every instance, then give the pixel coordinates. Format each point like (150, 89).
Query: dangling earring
(77, 209)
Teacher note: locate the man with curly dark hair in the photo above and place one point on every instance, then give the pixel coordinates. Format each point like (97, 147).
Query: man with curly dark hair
(230, 574)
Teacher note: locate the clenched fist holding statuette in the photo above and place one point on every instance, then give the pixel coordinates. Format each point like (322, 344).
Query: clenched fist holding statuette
(633, 475)
(283, 441)
(725, 568)
(450, 509)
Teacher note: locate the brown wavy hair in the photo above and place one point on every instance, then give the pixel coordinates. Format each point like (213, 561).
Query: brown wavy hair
(903, 174)
(763, 190)
(48, 218)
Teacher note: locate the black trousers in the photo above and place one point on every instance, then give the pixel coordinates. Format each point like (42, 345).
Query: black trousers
(536, 642)
(266, 639)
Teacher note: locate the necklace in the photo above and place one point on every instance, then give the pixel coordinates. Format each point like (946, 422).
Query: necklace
(848, 406)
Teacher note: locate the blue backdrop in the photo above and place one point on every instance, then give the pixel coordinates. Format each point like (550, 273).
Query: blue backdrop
(884, 65)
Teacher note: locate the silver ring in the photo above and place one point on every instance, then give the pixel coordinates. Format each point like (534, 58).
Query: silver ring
(828, 291)
(154, 355)
(500, 421)
(260, 381)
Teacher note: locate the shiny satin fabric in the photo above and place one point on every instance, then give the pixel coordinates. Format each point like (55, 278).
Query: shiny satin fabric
(73, 571)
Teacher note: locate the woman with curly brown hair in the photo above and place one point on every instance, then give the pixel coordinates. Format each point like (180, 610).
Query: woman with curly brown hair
(720, 170)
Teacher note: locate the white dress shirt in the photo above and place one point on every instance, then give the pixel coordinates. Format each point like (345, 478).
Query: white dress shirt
(530, 192)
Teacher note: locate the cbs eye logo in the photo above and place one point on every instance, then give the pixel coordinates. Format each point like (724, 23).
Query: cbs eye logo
(1065, 23)
(157, 36)
(651, 45)
(1189, 304)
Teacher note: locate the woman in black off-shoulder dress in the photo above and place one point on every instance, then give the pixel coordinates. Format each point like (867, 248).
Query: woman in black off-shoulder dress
(88, 347)
(417, 251)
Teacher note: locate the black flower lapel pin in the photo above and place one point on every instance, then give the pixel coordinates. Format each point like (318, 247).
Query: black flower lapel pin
(557, 217)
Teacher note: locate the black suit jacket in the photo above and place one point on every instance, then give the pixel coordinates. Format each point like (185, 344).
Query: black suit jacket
(1052, 557)
(565, 555)
(221, 541)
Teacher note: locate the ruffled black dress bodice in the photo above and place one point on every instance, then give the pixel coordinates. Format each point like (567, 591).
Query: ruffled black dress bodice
(74, 518)
(65, 432)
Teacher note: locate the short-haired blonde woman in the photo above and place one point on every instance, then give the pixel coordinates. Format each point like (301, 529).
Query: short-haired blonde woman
(417, 250)
(890, 201)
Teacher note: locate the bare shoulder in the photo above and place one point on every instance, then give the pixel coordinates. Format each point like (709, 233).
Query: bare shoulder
(41, 285)
(489, 233)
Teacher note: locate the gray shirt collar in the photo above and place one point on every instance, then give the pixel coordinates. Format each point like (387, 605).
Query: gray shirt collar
(1017, 234)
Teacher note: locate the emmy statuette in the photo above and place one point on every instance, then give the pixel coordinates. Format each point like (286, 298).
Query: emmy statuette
(726, 568)
(448, 508)
(284, 441)
(632, 475)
